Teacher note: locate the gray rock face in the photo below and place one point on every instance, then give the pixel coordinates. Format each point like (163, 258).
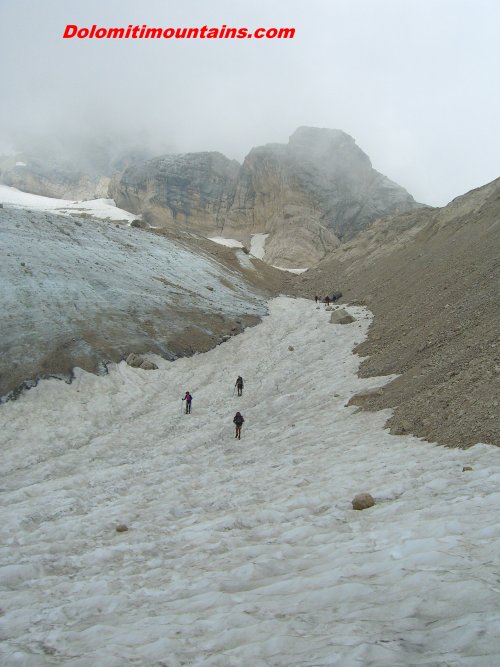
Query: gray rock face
(320, 175)
(192, 190)
(307, 194)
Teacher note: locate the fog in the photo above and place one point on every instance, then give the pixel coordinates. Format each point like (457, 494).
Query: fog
(414, 82)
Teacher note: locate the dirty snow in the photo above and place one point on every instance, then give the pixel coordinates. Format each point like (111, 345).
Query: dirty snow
(104, 209)
(242, 553)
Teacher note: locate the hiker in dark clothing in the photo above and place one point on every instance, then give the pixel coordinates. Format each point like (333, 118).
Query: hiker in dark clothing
(327, 300)
(188, 398)
(239, 385)
(316, 298)
(238, 421)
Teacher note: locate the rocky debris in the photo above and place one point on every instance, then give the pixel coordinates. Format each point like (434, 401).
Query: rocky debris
(466, 468)
(362, 501)
(121, 528)
(405, 269)
(291, 348)
(137, 361)
(134, 360)
(148, 366)
(341, 316)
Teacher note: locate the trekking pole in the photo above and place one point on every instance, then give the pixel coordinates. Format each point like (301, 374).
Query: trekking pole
(182, 405)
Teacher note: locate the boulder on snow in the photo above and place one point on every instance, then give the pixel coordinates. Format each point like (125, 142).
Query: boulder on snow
(121, 528)
(466, 468)
(134, 360)
(341, 316)
(291, 348)
(362, 501)
(148, 366)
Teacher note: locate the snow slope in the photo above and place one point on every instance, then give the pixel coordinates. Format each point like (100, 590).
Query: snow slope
(242, 553)
(104, 209)
(257, 245)
(91, 291)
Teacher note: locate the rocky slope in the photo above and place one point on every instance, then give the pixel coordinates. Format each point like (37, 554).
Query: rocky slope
(431, 279)
(308, 195)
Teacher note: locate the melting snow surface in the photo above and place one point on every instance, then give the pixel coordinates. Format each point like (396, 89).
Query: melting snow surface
(231, 243)
(257, 245)
(97, 208)
(242, 553)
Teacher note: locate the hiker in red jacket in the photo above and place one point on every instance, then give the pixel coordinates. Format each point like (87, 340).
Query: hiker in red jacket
(238, 422)
(188, 398)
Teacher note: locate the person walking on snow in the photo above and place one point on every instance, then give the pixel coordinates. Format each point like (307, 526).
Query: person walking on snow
(316, 298)
(188, 398)
(239, 385)
(238, 421)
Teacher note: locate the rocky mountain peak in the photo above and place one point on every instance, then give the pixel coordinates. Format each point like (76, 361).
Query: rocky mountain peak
(333, 150)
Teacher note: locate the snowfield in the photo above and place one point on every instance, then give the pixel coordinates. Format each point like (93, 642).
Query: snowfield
(103, 209)
(242, 553)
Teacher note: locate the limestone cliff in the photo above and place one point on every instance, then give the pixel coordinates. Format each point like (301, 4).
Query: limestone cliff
(307, 195)
(321, 175)
(192, 190)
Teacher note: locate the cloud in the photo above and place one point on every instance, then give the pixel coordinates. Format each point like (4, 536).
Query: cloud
(412, 82)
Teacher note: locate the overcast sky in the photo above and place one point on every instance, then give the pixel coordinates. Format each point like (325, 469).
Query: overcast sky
(415, 82)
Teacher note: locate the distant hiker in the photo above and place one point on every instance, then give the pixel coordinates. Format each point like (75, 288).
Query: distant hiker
(239, 385)
(188, 398)
(316, 298)
(238, 421)
(327, 300)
